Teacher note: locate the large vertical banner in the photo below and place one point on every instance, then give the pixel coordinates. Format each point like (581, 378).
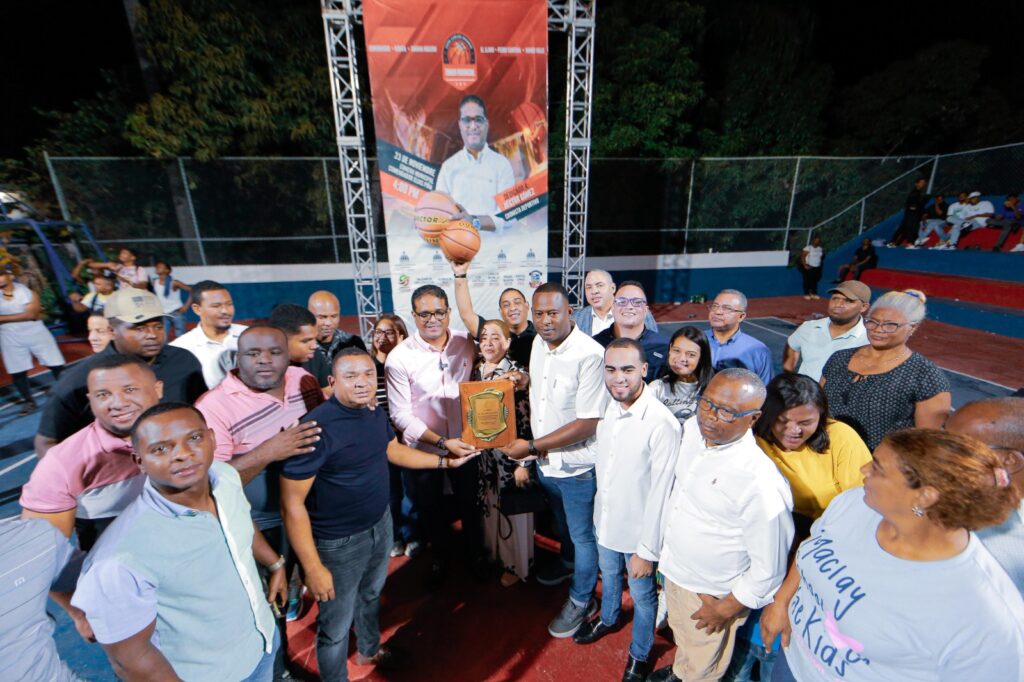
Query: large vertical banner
(460, 107)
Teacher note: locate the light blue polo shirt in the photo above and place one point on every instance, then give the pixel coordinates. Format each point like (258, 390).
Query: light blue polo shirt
(814, 342)
(192, 572)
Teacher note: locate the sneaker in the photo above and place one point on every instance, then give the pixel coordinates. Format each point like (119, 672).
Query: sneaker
(413, 548)
(912, 246)
(28, 408)
(386, 658)
(397, 548)
(297, 606)
(661, 620)
(555, 574)
(570, 618)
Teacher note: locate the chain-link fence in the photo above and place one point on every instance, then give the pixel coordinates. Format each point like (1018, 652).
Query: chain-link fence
(236, 211)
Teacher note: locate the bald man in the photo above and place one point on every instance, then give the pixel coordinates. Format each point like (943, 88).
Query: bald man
(594, 318)
(329, 339)
(999, 422)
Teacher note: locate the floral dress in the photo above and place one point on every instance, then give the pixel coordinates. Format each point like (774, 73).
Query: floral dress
(508, 539)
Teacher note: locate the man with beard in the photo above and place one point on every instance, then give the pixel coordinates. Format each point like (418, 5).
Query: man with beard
(512, 305)
(728, 528)
(629, 309)
(136, 317)
(329, 339)
(91, 477)
(814, 342)
(214, 340)
(596, 316)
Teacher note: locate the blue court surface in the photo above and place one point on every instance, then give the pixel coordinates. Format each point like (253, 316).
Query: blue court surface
(17, 461)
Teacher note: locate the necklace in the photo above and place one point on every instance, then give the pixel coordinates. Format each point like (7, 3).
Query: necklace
(877, 367)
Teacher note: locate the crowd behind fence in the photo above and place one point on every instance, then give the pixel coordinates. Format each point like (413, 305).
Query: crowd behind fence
(235, 211)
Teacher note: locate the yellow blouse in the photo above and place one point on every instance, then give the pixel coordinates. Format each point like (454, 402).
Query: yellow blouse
(815, 478)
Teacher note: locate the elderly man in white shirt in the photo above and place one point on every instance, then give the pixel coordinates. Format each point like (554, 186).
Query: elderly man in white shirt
(728, 528)
(475, 174)
(567, 398)
(637, 448)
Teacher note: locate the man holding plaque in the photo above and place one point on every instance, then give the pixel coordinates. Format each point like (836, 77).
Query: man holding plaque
(567, 398)
(423, 376)
(637, 447)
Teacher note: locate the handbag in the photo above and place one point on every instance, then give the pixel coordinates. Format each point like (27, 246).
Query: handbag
(514, 500)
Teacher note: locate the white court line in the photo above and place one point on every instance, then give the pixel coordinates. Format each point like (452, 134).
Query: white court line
(7, 405)
(17, 464)
(769, 329)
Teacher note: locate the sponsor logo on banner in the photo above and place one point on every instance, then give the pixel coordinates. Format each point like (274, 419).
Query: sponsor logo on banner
(458, 61)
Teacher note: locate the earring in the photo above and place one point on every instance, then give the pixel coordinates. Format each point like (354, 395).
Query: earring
(918, 512)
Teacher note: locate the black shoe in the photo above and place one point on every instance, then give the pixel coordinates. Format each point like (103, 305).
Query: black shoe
(554, 574)
(662, 675)
(591, 631)
(636, 671)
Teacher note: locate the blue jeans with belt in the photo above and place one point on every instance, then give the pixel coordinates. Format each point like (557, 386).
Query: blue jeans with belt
(572, 502)
(359, 566)
(645, 600)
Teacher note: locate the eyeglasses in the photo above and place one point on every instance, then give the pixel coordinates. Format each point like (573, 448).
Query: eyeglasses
(884, 327)
(386, 332)
(622, 302)
(723, 308)
(722, 414)
(436, 314)
(479, 120)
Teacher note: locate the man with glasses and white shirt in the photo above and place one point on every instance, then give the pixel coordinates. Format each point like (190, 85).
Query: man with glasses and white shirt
(730, 347)
(596, 316)
(629, 309)
(728, 528)
(475, 174)
(423, 375)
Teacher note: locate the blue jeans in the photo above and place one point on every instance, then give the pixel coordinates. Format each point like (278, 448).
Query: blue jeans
(781, 672)
(401, 505)
(643, 592)
(746, 652)
(572, 502)
(177, 320)
(359, 566)
(264, 671)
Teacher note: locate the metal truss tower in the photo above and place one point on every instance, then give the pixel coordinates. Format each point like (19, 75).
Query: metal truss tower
(339, 16)
(576, 18)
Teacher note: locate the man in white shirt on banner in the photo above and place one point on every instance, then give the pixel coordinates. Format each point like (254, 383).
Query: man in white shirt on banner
(475, 174)
(728, 528)
(214, 341)
(637, 448)
(567, 399)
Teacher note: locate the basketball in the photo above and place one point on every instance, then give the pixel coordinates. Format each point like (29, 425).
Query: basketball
(460, 241)
(433, 211)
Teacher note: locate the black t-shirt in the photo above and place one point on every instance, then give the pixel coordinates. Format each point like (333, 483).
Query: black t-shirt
(519, 350)
(322, 362)
(655, 347)
(867, 252)
(351, 490)
(67, 409)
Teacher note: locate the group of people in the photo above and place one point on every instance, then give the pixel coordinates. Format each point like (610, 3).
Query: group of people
(924, 216)
(813, 524)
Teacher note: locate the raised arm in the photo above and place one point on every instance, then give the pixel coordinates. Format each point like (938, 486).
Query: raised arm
(463, 299)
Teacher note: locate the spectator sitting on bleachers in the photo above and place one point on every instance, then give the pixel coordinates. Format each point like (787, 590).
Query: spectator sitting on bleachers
(864, 258)
(935, 219)
(1008, 218)
(975, 215)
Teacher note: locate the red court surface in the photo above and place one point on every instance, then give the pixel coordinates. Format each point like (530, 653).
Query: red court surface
(976, 353)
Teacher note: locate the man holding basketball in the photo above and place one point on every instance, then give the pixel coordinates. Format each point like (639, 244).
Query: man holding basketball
(475, 174)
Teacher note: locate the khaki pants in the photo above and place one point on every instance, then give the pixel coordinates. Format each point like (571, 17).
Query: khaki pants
(699, 656)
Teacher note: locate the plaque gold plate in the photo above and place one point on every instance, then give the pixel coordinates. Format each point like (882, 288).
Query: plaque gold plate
(488, 413)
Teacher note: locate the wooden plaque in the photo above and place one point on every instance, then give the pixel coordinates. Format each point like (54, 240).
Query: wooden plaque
(488, 413)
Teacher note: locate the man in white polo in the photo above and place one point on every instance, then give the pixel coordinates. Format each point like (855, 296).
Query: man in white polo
(214, 341)
(813, 343)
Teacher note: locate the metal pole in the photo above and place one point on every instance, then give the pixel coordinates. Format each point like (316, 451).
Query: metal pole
(330, 212)
(57, 188)
(931, 178)
(191, 210)
(792, 202)
(689, 203)
(863, 205)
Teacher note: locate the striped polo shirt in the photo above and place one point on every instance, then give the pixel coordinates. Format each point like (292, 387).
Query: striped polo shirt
(91, 472)
(243, 418)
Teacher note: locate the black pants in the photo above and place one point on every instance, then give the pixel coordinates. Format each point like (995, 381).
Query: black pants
(811, 278)
(1008, 229)
(432, 514)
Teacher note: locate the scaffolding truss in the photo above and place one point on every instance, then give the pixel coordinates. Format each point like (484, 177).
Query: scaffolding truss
(576, 19)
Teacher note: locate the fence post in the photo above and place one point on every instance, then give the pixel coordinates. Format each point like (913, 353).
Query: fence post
(192, 211)
(330, 211)
(863, 204)
(689, 202)
(57, 188)
(792, 202)
(931, 178)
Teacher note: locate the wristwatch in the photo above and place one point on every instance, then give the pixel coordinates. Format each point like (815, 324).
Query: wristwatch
(279, 564)
(532, 449)
(476, 222)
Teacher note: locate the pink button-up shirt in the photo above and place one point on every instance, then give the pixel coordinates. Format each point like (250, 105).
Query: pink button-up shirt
(423, 386)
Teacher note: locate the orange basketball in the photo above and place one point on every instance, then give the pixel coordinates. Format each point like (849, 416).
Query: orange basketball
(433, 211)
(460, 241)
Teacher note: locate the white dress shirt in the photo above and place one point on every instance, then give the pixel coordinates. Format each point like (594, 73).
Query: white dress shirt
(566, 383)
(215, 357)
(423, 386)
(474, 182)
(599, 323)
(729, 524)
(636, 459)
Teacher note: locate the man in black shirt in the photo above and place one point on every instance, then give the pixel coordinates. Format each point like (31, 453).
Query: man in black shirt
(326, 307)
(864, 258)
(911, 223)
(136, 317)
(514, 309)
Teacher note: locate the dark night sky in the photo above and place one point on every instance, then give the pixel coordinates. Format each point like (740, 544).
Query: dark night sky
(53, 51)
